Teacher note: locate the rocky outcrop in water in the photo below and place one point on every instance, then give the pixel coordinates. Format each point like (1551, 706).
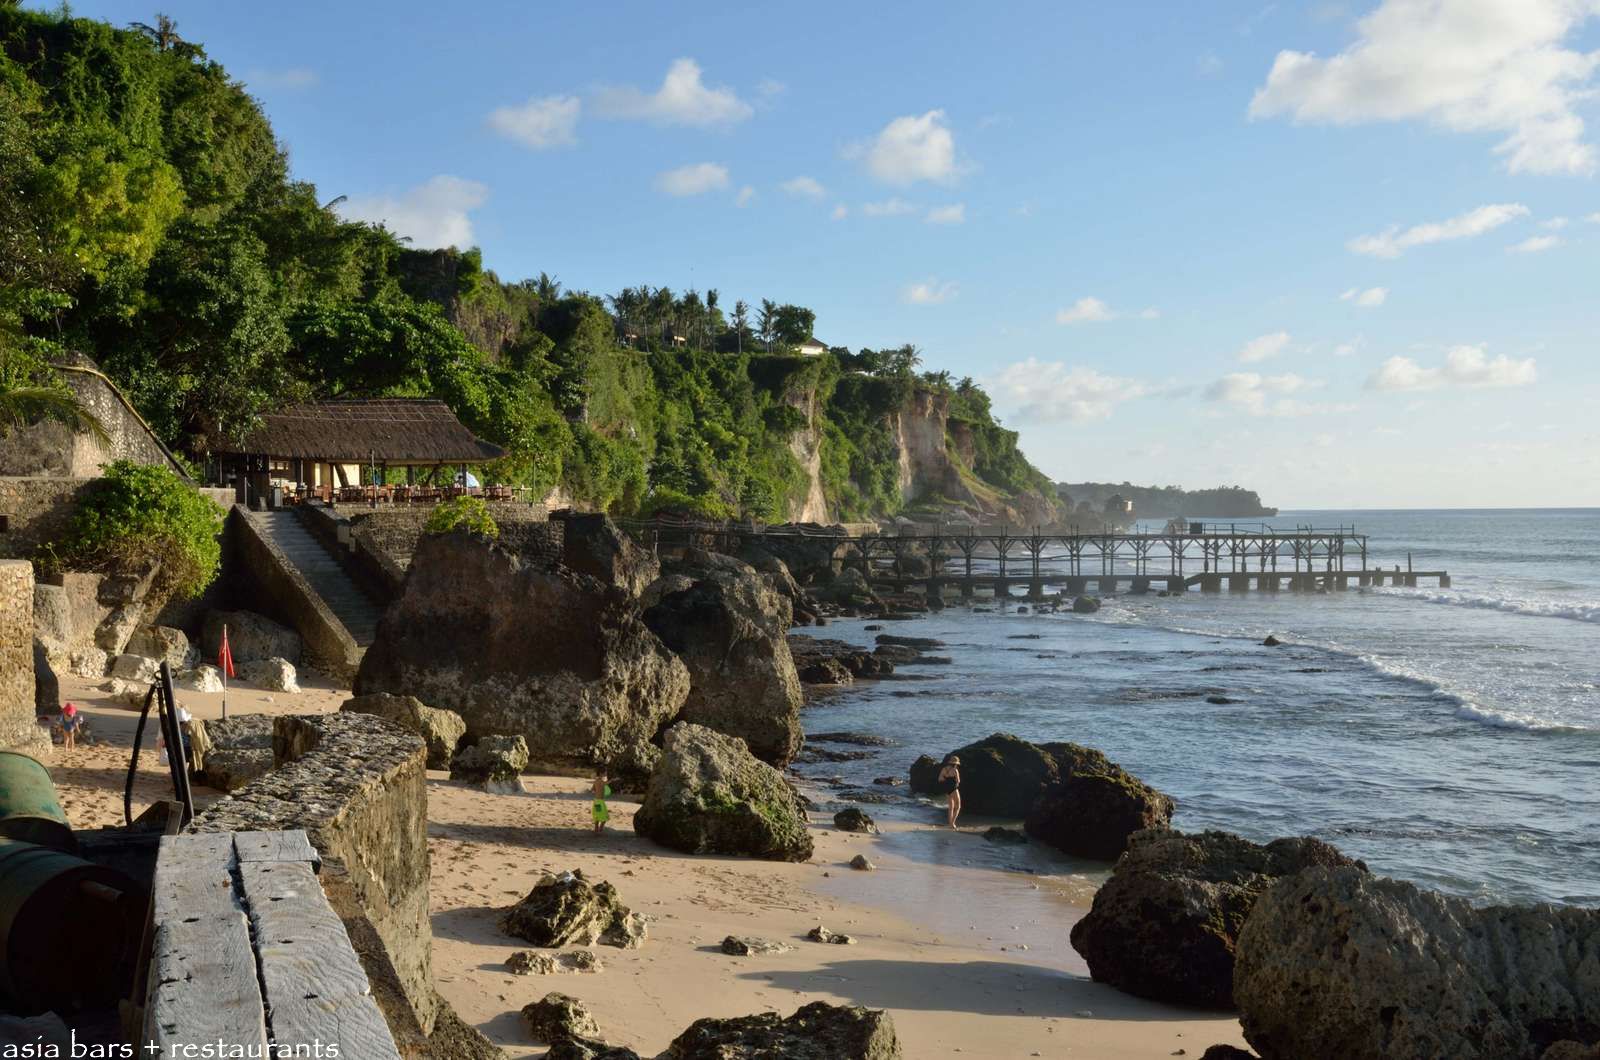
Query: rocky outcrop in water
(729, 627)
(1337, 962)
(1166, 924)
(818, 1031)
(516, 644)
(709, 795)
(1095, 806)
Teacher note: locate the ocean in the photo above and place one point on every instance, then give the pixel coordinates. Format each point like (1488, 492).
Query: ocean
(1448, 737)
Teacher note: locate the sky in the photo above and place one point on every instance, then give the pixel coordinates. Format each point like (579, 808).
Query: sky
(1344, 254)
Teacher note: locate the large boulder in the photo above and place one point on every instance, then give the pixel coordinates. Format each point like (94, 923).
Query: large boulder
(730, 628)
(818, 1031)
(493, 762)
(557, 1017)
(1095, 807)
(594, 545)
(1001, 775)
(849, 586)
(568, 910)
(709, 795)
(163, 644)
(775, 571)
(441, 730)
(274, 675)
(251, 637)
(517, 645)
(1337, 962)
(1166, 924)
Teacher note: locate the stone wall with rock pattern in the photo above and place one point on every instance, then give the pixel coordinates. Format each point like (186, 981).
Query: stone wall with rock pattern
(18, 731)
(357, 784)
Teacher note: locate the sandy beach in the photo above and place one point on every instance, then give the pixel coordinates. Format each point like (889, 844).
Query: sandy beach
(964, 945)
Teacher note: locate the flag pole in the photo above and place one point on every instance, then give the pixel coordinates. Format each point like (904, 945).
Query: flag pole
(224, 668)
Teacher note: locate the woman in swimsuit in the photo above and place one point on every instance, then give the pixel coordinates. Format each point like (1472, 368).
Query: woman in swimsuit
(950, 784)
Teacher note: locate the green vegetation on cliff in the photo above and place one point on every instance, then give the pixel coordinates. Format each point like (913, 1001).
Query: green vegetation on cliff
(148, 219)
(1165, 502)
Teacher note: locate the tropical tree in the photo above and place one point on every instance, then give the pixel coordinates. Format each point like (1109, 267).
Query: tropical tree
(164, 33)
(766, 322)
(32, 393)
(741, 323)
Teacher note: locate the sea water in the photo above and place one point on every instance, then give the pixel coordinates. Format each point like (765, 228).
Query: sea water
(1446, 736)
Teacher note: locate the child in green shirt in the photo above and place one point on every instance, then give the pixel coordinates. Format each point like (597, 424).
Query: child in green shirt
(601, 812)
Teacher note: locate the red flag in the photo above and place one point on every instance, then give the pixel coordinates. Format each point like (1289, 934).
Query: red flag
(225, 655)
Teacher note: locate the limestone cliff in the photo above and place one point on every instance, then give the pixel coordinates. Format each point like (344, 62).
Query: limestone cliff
(806, 446)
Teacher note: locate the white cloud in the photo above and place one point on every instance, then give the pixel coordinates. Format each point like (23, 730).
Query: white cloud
(433, 214)
(1535, 244)
(696, 179)
(1264, 395)
(930, 292)
(293, 79)
(954, 214)
(1263, 347)
(539, 123)
(1371, 298)
(804, 187)
(1041, 390)
(1208, 65)
(1593, 218)
(911, 149)
(1393, 241)
(887, 208)
(682, 99)
(1150, 313)
(1084, 311)
(1464, 366)
(840, 212)
(747, 195)
(1495, 66)
(1554, 224)
(768, 88)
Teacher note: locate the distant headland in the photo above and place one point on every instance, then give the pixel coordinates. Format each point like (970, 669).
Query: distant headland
(1164, 502)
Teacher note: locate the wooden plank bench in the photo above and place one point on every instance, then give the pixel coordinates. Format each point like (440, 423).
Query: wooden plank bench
(247, 951)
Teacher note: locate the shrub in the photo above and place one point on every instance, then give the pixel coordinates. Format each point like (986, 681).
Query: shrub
(139, 517)
(462, 513)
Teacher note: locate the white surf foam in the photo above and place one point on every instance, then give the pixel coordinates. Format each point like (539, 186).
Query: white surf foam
(1575, 610)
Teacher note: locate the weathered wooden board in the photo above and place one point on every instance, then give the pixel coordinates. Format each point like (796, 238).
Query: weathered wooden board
(194, 877)
(316, 989)
(275, 846)
(203, 985)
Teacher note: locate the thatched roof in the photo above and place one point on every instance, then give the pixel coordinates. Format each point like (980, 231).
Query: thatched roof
(389, 430)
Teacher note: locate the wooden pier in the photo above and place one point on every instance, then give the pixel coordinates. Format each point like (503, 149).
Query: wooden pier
(1209, 557)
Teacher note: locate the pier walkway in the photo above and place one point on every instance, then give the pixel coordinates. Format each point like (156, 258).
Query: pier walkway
(1211, 557)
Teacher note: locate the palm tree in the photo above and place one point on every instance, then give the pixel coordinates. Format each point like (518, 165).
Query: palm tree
(25, 402)
(741, 322)
(164, 33)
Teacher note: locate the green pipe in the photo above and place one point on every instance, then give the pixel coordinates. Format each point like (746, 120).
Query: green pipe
(29, 809)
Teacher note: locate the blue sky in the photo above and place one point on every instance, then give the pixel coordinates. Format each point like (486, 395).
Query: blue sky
(1344, 254)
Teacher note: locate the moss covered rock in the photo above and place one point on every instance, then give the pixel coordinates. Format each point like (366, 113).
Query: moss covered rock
(709, 795)
(1093, 809)
(818, 1031)
(1165, 926)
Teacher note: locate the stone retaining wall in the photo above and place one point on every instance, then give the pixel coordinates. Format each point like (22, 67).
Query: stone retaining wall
(282, 592)
(36, 510)
(18, 731)
(357, 785)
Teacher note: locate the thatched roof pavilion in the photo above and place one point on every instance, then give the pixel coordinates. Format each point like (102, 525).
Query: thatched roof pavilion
(327, 442)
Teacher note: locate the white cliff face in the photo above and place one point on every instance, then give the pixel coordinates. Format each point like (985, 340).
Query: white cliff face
(806, 446)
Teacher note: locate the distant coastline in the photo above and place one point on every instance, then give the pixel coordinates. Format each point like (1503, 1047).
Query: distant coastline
(1166, 502)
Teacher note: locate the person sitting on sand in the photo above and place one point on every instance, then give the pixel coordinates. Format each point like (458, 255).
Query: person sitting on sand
(602, 791)
(950, 784)
(71, 722)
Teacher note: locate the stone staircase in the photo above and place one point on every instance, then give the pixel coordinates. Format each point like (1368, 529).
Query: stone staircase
(354, 608)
